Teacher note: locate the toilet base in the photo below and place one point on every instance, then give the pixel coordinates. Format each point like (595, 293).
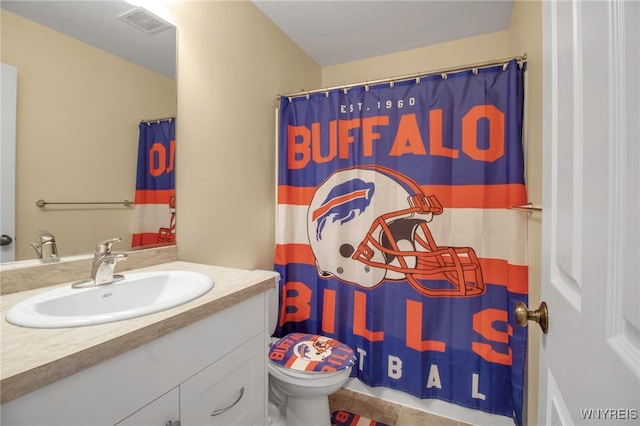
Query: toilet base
(275, 417)
(308, 411)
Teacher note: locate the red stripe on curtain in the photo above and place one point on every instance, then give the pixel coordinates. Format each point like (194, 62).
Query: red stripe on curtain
(154, 196)
(147, 239)
(458, 196)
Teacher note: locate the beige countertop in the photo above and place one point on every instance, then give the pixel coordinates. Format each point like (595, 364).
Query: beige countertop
(32, 358)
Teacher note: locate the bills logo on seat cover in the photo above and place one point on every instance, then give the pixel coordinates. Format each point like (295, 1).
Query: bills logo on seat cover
(310, 352)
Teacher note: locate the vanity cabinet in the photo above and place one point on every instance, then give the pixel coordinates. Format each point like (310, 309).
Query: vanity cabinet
(163, 411)
(213, 366)
(226, 392)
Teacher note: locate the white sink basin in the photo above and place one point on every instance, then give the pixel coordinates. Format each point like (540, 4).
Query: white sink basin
(138, 294)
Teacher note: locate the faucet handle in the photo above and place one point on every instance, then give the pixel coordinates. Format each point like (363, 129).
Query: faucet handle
(45, 236)
(104, 247)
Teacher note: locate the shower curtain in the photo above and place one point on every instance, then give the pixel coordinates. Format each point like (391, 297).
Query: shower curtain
(155, 200)
(394, 233)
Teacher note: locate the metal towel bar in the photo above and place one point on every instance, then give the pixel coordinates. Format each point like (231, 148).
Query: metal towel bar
(42, 203)
(529, 207)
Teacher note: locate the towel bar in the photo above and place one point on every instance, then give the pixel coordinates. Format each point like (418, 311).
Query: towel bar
(42, 203)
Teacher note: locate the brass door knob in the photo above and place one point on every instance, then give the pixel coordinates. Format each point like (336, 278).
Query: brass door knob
(540, 315)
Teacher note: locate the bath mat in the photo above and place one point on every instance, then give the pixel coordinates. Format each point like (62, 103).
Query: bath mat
(345, 418)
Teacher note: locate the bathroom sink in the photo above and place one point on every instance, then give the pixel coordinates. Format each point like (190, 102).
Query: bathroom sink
(136, 295)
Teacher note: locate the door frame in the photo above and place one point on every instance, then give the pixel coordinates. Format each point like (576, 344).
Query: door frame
(9, 90)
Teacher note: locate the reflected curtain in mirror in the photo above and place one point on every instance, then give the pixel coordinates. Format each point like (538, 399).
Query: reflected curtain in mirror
(155, 201)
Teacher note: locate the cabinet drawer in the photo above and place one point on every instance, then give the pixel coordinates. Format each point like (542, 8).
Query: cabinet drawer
(230, 391)
(162, 411)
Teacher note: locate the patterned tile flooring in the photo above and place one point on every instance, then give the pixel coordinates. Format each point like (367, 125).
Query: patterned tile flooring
(384, 411)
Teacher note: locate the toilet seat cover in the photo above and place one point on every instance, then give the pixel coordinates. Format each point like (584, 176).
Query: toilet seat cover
(310, 352)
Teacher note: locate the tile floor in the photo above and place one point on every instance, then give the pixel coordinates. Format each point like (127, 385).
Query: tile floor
(384, 411)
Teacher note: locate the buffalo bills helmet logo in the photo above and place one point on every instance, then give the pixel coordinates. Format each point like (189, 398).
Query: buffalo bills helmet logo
(344, 202)
(368, 224)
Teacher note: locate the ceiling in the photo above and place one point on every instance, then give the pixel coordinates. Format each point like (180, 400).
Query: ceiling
(97, 23)
(334, 32)
(329, 31)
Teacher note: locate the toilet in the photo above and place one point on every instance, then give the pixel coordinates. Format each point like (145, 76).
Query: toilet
(304, 369)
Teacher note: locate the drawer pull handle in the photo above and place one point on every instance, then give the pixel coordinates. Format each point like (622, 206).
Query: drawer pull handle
(222, 410)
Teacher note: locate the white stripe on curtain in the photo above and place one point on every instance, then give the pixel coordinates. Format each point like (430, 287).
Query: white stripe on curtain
(500, 228)
(151, 217)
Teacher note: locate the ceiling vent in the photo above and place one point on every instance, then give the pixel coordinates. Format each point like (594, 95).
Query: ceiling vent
(144, 20)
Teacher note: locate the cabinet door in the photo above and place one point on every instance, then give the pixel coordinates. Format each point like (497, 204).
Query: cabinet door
(229, 391)
(160, 412)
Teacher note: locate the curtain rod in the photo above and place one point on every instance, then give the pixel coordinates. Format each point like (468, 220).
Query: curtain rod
(522, 58)
(158, 119)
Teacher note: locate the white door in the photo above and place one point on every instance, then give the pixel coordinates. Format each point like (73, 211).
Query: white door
(8, 91)
(590, 358)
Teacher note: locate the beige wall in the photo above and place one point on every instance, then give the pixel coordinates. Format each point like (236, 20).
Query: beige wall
(232, 62)
(525, 35)
(77, 134)
(455, 53)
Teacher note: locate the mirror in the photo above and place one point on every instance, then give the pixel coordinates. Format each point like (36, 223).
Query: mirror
(86, 79)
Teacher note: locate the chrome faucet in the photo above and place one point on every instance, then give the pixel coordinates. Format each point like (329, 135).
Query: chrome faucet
(46, 249)
(103, 265)
(104, 262)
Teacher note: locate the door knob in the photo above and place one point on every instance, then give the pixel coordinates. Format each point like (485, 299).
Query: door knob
(5, 240)
(540, 315)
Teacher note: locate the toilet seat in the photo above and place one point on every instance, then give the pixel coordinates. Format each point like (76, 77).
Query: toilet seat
(308, 355)
(289, 375)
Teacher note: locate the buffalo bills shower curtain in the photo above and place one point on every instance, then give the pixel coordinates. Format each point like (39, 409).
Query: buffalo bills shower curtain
(155, 200)
(394, 233)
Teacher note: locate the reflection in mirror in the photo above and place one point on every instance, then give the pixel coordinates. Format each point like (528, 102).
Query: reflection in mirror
(80, 97)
